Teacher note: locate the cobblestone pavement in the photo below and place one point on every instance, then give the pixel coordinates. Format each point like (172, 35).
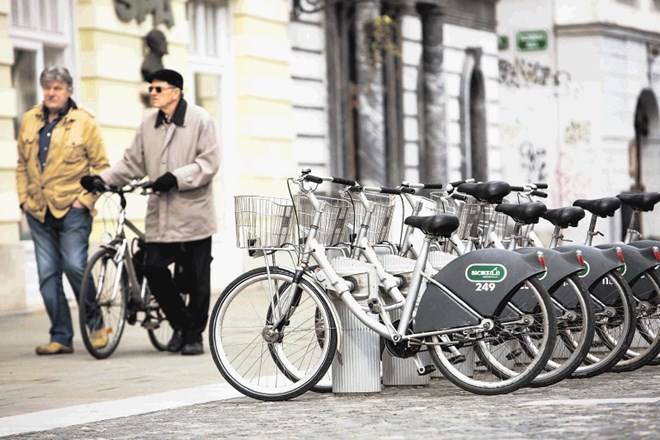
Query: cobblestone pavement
(610, 406)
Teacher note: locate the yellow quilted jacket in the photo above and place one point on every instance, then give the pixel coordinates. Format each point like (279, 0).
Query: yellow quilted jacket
(76, 149)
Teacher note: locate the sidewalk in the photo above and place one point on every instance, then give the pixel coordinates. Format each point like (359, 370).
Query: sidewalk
(32, 387)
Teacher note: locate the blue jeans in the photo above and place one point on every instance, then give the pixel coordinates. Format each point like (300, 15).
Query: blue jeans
(61, 246)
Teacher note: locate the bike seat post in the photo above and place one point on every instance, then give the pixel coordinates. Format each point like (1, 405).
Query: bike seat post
(631, 233)
(556, 236)
(591, 232)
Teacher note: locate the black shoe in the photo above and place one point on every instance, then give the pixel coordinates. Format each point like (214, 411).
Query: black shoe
(176, 342)
(193, 348)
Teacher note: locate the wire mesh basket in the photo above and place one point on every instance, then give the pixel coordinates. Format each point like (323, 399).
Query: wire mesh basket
(474, 217)
(262, 222)
(424, 206)
(445, 204)
(381, 218)
(331, 229)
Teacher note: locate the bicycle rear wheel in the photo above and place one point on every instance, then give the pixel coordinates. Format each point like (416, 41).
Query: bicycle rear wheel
(575, 331)
(528, 319)
(615, 325)
(270, 337)
(646, 342)
(102, 304)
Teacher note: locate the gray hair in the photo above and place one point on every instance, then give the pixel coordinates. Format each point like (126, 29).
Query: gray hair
(60, 74)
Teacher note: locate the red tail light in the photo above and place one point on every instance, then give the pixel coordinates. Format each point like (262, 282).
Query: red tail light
(656, 253)
(619, 253)
(580, 257)
(541, 258)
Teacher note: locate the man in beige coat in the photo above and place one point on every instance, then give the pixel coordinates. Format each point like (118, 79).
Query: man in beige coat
(176, 148)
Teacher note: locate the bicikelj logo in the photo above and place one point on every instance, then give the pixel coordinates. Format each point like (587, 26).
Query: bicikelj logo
(485, 273)
(584, 272)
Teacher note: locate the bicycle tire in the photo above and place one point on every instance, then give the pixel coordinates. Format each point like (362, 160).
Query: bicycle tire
(646, 342)
(243, 341)
(615, 325)
(496, 372)
(161, 333)
(575, 331)
(101, 304)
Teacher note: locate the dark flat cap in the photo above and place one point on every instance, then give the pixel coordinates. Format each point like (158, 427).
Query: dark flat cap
(171, 77)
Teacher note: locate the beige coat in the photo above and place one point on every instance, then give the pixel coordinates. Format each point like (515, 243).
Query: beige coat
(76, 149)
(191, 153)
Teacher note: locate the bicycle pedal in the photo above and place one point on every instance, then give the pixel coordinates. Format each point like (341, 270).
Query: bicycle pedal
(514, 354)
(428, 369)
(456, 359)
(150, 324)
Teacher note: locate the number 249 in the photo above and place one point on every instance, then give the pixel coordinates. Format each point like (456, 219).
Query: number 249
(485, 287)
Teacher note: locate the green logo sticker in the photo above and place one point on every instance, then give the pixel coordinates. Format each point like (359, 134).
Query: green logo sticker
(485, 273)
(584, 272)
(622, 269)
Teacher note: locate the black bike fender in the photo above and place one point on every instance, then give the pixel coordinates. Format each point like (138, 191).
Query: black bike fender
(597, 262)
(635, 260)
(559, 264)
(484, 280)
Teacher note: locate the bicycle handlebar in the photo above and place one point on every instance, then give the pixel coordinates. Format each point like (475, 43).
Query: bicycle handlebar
(381, 189)
(318, 179)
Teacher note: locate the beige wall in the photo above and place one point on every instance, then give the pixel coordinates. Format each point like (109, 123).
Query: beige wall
(257, 119)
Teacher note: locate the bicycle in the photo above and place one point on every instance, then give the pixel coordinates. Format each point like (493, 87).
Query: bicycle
(114, 291)
(574, 309)
(274, 332)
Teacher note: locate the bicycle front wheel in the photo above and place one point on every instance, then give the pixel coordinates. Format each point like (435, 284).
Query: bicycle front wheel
(158, 327)
(511, 353)
(102, 304)
(272, 338)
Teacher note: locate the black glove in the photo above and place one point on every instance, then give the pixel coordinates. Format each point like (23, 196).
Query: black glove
(164, 183)
(93, 183)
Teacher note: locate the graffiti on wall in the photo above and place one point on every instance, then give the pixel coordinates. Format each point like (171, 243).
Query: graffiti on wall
(576, 132)
(533, 162)
(521, 73)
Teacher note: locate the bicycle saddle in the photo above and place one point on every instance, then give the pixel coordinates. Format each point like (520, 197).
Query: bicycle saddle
(492, 192)
(564, 217)
(604, 207)
(526, 213)
(641, 201)
(439, 225)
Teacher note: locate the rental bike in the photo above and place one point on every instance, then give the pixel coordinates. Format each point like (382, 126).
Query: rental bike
(274, 331)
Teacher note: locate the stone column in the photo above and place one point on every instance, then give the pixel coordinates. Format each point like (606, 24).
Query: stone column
(371, 119)
(433, 160)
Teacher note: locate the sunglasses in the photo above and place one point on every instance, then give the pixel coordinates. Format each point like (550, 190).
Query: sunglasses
(158, 89)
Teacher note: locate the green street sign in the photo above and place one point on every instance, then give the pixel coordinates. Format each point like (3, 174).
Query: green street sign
(502, 42)
(527, 41)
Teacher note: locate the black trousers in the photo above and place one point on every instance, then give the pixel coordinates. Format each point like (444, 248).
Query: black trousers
(192, 261)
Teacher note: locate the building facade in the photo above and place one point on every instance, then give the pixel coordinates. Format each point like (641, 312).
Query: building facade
(579, 84)
(378, 90)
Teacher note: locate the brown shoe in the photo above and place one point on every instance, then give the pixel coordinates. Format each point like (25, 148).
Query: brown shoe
(99, 338)
(54, 348)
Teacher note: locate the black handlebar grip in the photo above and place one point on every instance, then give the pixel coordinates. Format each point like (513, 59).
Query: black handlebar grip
(459, 196)
(458, 182)
(433, 185)
(517, 188)
(541, 185)
(341, 181)
(355, 188)
(311, 178)
(539, 194)
(397, 191)
(407, 190)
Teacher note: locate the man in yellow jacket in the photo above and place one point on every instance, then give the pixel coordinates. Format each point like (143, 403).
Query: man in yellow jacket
(58, 143)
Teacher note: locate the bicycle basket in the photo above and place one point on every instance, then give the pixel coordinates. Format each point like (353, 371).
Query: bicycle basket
(262, 222)
(425, 205)
(331, 229)
(381, 218)
(446, 205)
(475, 217)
